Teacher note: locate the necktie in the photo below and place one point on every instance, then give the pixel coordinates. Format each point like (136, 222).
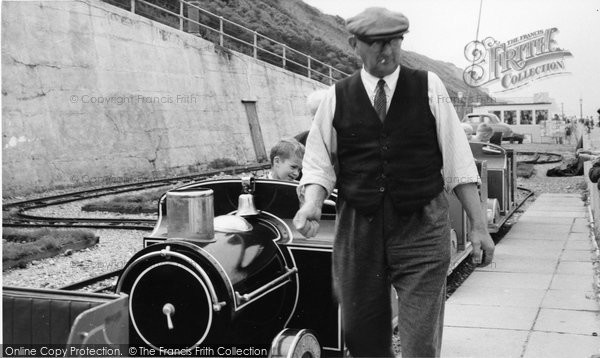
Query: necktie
(380, 102)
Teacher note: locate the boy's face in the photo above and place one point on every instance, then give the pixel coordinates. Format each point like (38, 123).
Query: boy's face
(484, 136)
(286, 169)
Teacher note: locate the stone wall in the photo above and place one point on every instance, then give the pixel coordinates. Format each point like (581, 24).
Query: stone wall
(92, 93)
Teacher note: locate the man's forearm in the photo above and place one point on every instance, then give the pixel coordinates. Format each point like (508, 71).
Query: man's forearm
(469, 198)
(314, 194)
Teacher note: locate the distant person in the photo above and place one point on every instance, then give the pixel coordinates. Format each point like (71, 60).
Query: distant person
(568, 132)
(484, 133)
(586, 123)
(468, 130)
(312, 101)
(594, 173)
(574, 167)
(540, 118)
(286, 160)
(508, 118)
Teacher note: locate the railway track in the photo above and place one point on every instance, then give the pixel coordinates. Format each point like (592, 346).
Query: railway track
(99, 284)
(538, 158)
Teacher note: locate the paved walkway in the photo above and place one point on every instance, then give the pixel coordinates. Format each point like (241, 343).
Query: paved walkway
(537, 297)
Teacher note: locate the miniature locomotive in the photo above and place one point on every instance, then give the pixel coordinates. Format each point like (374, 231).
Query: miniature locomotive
(238, 278)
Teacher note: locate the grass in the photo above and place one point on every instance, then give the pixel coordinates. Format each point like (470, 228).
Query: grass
(142, 203)
(220, 163)
(19, 244)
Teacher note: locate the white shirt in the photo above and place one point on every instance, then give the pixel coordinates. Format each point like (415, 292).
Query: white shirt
(320, 164)
(370, 83)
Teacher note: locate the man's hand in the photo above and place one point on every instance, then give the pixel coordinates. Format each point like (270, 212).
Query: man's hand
(307, 219)
(483, 247)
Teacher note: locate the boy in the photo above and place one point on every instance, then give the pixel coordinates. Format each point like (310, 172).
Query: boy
(468, 130)
(286, 160)
(484, 133)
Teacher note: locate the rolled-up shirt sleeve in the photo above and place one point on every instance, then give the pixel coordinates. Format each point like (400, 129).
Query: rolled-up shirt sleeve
(458, 162)
(319, 165)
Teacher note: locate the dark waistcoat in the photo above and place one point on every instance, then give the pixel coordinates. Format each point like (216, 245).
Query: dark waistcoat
(399, 157)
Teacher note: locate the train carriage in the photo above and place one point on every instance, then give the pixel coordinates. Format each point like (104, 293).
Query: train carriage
(501, 174)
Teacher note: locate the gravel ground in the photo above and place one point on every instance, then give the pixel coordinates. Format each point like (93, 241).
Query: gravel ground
(73, 209)
(111, 253)
(539, 182)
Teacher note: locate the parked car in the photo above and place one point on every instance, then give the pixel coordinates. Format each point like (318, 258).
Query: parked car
(475, 119)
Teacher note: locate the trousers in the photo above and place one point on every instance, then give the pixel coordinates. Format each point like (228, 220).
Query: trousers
(372, 253)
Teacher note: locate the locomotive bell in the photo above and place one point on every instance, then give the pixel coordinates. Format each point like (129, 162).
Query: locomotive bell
(246, 200)
(191, 214)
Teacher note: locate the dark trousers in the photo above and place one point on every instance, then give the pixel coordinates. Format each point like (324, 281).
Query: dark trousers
(410, 252)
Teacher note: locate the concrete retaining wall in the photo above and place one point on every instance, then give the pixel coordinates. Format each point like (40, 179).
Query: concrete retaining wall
(92, 93)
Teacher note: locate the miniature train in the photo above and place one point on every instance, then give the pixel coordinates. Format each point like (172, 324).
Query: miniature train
(225, 267)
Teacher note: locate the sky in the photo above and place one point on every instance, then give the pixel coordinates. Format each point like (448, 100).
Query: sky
(440, 29)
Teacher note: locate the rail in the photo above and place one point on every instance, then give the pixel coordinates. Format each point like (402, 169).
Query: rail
(187, 16)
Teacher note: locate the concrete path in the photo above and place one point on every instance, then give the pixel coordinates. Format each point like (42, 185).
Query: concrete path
(537, 298)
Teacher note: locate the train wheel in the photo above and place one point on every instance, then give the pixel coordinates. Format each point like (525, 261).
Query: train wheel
(297, 343)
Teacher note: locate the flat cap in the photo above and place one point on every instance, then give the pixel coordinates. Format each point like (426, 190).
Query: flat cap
(376, 23)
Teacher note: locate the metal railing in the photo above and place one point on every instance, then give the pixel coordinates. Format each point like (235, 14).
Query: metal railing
(187, 16)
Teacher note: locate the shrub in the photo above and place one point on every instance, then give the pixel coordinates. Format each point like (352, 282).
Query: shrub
(146, 203)
(21, 243)
(222, 163)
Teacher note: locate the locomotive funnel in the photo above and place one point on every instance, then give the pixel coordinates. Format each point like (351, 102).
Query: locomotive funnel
(191, 214)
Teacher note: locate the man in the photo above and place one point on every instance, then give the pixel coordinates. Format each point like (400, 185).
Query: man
(380, 138)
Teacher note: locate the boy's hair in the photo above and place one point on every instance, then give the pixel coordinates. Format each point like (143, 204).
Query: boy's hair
(285, 148)
(485, 128)
(467, 128)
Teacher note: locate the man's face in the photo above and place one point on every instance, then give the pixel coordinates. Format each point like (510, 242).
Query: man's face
(380, 58)
(286, 169)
